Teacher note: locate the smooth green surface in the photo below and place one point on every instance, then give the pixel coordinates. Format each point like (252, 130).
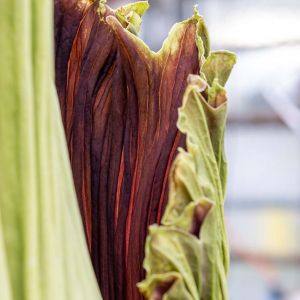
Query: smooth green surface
(43, 253)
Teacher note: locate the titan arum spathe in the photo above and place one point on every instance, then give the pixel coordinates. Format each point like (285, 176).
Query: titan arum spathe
(119, 105)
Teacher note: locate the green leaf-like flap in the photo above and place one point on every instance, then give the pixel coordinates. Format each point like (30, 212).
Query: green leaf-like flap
(130, 16)
(186, 196)
(167, 286)
(173, 250)
(218, 65)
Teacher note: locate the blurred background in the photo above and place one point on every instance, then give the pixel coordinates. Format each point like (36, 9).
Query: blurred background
(263, 135)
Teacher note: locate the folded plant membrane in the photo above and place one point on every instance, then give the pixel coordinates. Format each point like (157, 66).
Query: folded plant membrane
(43, 252)
(119, 102)
(187, 257)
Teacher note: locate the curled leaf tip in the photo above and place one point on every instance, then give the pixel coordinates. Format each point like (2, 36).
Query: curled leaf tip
(196, 12)
(199, 215)
(216, 94)
(130, 15)
(202, 38)
(218, 65)
(160, 289)
(198, 82)
(102, 9)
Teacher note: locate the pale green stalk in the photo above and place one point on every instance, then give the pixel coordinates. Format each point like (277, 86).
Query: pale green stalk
(43, 253)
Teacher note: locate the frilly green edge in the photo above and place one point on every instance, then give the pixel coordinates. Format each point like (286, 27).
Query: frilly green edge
(130, 15)
(187, 256)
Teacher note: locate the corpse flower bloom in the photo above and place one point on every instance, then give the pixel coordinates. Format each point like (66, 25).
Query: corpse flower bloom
(125, 111)
(119, 103)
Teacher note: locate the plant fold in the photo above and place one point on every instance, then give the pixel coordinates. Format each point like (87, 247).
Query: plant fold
(119, 102)
(43, 252)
